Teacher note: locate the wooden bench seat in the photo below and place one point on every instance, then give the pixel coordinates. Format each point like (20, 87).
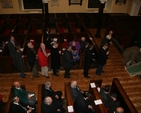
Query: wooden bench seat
(122, 97)
(68, 95)
(95, 95)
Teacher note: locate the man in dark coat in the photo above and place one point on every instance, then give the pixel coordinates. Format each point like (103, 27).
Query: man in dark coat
(32, 59)
(12, 49)
(88, 60)
(55, 95)
(109, 100)
(103, 55)
(47, 38)
(24, 96)
(48, 106)
(67, 61)
(55, 58)
(18, 107)
(82, 105)
(107, 39)
(20, 61)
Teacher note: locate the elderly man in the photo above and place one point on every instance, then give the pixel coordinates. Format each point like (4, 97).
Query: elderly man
(55, 95)
(18, 107)
(12, 50)
(24, 96)
(75, 91)
(130, 54)
(43, 55)
(32, 59)
(48, 106)
(107, 39)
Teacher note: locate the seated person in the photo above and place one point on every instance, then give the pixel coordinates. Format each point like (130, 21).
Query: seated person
(55, 95)
(119, 110)
(75, 54)
(25, 97)
(109, 100)
(82, 104)
(75, 91)
(75, 43)
(48, 106)
(19, 107)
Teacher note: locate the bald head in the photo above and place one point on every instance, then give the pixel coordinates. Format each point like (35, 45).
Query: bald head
(48, 100)
(73, 84)
(17, 84)
(47, 84)
(119, 110)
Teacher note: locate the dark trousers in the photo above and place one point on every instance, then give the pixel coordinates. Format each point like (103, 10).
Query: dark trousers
(67, 71)
(99, 68)
(86, 69)
(54, 71)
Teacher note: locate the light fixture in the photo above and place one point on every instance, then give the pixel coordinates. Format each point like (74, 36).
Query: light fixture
(103, 1)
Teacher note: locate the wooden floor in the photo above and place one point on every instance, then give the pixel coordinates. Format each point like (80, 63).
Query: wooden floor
(113, 68)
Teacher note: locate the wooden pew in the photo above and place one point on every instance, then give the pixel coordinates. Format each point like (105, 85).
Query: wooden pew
(122, 97)
(39, 98)
(95, 95)
(68, 95)
(8, 104)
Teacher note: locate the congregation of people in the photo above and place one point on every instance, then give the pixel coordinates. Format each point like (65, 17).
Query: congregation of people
(67, 55)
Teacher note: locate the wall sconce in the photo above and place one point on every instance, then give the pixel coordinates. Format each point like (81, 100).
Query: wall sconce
(120, 2)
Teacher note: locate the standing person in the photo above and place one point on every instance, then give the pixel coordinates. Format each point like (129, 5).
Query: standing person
(107, 39)
(20, 61)
(55, 58)
(43, 55)
(12, 49)
(88, 60)
(67, 61)
(32, 59)
(47, 38)
(103, 55)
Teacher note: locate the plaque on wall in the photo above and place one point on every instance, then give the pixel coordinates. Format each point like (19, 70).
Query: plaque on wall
(6, 4)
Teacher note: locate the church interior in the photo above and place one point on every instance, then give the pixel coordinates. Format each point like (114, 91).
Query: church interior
(27, 19)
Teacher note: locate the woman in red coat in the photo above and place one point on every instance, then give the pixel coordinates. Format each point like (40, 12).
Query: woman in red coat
(43, 55)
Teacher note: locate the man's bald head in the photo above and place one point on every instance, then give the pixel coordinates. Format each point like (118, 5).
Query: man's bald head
(119, 110)
(17, 84)
(73, 84)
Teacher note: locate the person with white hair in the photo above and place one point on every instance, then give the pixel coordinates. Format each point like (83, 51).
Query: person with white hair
(107, 39)
(32, 59)
(24, 96)
(48, 106)
(55, 95)
(75, 90)
(43, 55)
